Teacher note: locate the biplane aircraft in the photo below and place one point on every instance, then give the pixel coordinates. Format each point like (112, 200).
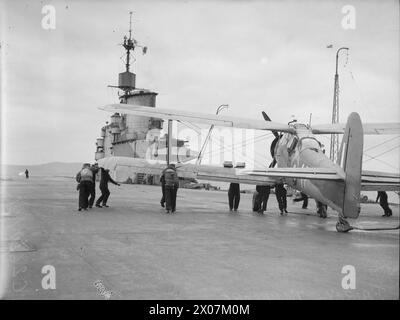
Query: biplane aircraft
(297, 154)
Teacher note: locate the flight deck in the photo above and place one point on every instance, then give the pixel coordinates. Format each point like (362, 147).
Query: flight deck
(134, 250)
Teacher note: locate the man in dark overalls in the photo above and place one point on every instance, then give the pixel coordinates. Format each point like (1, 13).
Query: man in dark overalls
(234, 196)
(162, 181)
(280, 193)
(322, 209)
(105, 192)
(383, 201)
(171, 187)
(85, 180)
(303, 198)
(95, 169)
(263, 196)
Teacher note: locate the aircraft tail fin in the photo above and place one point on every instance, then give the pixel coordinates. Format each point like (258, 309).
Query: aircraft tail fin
(350, 159)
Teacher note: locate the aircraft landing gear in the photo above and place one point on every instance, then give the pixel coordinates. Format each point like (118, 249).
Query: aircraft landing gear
(342, 225)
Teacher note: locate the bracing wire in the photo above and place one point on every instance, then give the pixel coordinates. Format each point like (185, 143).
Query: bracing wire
(229, 148)
(380, 160)
(379, 144)
(219, 147)
(381, 154)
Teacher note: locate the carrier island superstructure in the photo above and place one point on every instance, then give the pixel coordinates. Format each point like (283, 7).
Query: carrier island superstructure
(134, 136)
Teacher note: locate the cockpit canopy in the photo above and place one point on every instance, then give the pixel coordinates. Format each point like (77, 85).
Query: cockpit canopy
(310, 143)
(301, 126)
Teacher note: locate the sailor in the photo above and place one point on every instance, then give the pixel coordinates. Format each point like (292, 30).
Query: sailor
(27, 173)
(171, 187)
(234, 196)
(162, 181)
(383, 201)
(263, 193)
(95, 169)
(321, 209)
(105, 192)
(85, 180)
(280, 193)
(256, 201)
(303, 198)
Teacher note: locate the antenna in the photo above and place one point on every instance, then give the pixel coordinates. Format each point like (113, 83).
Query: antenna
(127, 79)
(130, 24)
(334, 148)
(128, 43)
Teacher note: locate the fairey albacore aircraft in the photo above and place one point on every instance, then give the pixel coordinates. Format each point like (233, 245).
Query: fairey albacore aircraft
(301, 161)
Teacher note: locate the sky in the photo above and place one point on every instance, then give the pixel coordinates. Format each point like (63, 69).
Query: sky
(252, 55)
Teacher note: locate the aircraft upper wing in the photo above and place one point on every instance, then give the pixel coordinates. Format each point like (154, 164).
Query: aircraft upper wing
(197, 117)
(369, 128)
(379, 181)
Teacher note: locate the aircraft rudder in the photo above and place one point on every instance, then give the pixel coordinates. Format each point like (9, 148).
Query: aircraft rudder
(350, 159)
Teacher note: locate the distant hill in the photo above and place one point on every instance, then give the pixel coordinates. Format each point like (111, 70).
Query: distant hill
(53, 169)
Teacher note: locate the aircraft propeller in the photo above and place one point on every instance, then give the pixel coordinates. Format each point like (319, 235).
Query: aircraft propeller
(274, 142)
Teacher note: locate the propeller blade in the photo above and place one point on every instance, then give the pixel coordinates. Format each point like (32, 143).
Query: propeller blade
(266, 118)
(273, 144)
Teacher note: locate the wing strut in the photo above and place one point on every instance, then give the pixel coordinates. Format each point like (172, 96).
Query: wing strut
(200, 156)
(169, 142)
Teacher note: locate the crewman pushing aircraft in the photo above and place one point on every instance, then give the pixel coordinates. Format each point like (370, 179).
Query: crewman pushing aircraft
(85, 180)
(234, 196)
(322, 209)
(280, 193)
(171, 187)
(95, 169)
(263, 196)
(162, 181)
(383, 201)
(303, 198)
(105, 192)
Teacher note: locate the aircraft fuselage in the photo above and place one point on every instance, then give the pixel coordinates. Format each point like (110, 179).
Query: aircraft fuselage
(301, 149)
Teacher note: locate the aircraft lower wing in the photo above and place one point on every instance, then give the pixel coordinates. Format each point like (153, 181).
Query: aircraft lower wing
(217, 173)
(130, 166)
(379, 181)
(298, 173)
(371, 180)
(369, 128)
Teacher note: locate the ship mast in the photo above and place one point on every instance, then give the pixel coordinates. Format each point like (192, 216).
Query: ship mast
(127, 79)
(128, 43)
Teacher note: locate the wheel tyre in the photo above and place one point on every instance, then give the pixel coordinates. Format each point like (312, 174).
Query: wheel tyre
(343, 226)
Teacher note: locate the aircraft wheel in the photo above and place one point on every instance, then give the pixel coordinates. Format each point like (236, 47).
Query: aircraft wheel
(343, 226)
